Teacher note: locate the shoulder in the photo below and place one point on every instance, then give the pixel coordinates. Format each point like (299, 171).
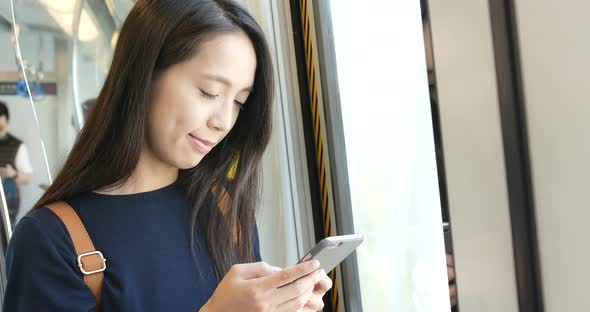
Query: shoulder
(22, 147)
(42, 274)
(42, 219)
(40, 231)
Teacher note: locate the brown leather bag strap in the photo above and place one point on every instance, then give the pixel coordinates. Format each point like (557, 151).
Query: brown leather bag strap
(90, 261)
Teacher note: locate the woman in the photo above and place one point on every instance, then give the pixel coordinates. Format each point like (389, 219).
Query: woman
(187, 100)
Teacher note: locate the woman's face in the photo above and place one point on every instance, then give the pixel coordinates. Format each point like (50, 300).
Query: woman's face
(195, 104)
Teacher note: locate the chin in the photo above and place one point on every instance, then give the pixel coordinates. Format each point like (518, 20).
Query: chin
(189, 163)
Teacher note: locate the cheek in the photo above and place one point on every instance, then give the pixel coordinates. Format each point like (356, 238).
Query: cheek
(170, 124)
(165, 120)
(190, 116)
(174, 110)
(165, 117)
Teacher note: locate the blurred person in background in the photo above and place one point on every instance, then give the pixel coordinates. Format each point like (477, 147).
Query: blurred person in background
(15, 166)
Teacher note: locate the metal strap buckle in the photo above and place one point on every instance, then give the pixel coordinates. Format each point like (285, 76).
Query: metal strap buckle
(104, 262)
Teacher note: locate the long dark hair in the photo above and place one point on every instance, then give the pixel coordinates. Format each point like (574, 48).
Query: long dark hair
(156, 35)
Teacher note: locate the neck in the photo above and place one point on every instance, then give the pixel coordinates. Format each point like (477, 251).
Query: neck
(149, 174)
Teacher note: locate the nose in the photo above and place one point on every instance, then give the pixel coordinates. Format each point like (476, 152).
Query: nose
(223, 116)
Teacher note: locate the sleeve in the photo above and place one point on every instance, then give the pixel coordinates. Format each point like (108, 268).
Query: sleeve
(41, 268)
(22, 161)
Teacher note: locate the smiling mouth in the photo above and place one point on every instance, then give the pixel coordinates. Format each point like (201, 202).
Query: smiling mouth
(201, 145)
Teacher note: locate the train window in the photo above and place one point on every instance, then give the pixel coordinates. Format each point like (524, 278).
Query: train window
(390, 151)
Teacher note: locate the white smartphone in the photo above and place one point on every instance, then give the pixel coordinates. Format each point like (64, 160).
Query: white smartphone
(330, 251)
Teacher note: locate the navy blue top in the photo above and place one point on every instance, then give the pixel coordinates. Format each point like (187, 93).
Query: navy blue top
(145, 239)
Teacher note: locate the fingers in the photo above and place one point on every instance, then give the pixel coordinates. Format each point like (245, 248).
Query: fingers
(453, 294)
(297, 303)
(450, 260)
(450, 268)
(315, 303)
(451, 274)
(252, 270)
(323, 285)
(291, 274)
(298, 288)
(451, 278)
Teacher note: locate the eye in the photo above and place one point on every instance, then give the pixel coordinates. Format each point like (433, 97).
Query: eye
(208, 95)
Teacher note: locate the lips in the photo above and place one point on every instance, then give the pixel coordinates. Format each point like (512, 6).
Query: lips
(201, 145)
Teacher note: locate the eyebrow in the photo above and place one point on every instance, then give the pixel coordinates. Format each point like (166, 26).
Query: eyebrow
(224, 81)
